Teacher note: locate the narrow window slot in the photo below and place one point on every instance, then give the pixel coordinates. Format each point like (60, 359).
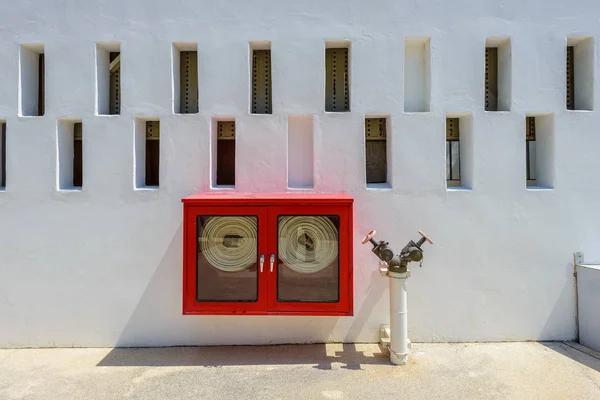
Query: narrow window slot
(580, 73)
(417, 74)
(188, 73)
(70, 154)
(453, 152)
(498, 74)
(261, 82)
(540, 151)
(108, 78)
(337, 91)
(570, 79)
(77, 155)
(225, 153)
(152, 140)
(300, 151)
(32, 80)
(530, 151)
(3, 156)
(376, 150)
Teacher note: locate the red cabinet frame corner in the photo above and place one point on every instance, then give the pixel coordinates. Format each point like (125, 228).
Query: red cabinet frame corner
(267, 208)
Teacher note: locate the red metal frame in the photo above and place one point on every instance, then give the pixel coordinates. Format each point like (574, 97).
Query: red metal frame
(267, 207)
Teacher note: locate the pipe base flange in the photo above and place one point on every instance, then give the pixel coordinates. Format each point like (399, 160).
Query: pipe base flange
(398, 358)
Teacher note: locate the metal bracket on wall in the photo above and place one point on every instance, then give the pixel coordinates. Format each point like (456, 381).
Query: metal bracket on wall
(115, 83)
(452, 129)
(261, 82)
(188, 70)
(226, 130)
(376, 149)
(375, 129)
(152, 130)
(530, 133)
(337, 93)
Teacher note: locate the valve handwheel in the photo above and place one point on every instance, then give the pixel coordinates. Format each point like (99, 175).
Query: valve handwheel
(426, 237)
(368, 237)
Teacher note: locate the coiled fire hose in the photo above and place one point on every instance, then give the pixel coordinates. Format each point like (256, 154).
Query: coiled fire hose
(229, 243)
(307, 244)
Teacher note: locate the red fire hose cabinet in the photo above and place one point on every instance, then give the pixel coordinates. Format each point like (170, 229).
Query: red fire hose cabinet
(263, 254)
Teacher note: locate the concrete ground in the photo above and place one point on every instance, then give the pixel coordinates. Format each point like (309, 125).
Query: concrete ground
(334, 371)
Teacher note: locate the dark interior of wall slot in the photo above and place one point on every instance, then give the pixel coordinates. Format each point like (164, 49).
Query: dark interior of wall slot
(42, 84)
(570, 79)
(453, 152)
(115, 82)
(77, 155)
(188, 86)
(580, 77)
(530, 151)
(152, 153)
(226, 153)
(261, 82)
(491, 79)
(337, 91)
(376, 150)
(3, 155)
(498, 74)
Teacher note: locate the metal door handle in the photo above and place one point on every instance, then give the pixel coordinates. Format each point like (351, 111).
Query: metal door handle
(262, 262)
(272, 261)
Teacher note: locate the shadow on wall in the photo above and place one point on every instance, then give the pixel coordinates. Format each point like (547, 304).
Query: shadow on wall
(217, 356)
(558, 324)
(159, 307)
(576, 352)
(375, 291)
(157, 319)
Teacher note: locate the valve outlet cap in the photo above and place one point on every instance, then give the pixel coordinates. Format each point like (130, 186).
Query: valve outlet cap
(368, 237)
(426, 237)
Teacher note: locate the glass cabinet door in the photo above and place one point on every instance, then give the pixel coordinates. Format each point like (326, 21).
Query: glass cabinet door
(223, 270)
(227, 258)
(310, 248)
(308, 258)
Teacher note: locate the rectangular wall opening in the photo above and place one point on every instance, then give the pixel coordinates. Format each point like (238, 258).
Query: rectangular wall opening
(337, 76)
(147, 153)
(459, 150)
(498, 74)
(185, 78)
(224, 165)
(539, 151)
(417, 74)
(2, 155)
(70, 154)
(261, 93)
(580, 73)
(31, 80)
(108, 78)
(377, 152)
(300, 152)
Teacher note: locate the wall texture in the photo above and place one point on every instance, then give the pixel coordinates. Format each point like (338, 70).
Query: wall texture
(103, 266)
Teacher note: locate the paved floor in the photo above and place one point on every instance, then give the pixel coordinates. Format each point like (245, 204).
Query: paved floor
(334, 371)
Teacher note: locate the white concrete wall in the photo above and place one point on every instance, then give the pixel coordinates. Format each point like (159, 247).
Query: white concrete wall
(103, 266)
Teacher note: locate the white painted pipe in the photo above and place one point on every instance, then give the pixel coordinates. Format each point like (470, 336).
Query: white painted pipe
(398, 318)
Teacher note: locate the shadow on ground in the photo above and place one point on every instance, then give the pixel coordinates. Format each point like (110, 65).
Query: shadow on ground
(576, 352)
(218, 356)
